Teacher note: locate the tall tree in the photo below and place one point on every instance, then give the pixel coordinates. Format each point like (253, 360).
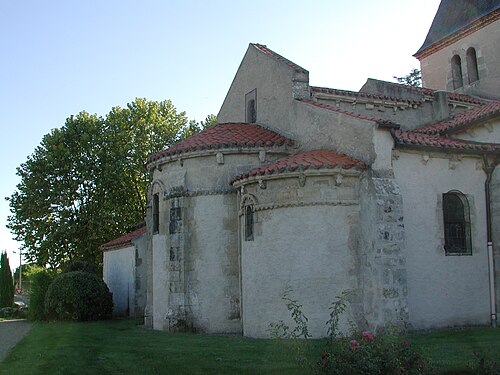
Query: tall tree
(6, 282)
(86, 182)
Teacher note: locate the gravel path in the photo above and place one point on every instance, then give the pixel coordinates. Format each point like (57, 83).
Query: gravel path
(11, 332)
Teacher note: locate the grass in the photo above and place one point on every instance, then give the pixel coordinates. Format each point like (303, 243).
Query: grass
(121, 347)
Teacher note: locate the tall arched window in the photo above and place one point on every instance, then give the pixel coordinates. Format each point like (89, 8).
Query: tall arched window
(249, 223)
(456, 217)
(456, 72)
(251, 112)
(472, 70)
(156, 213)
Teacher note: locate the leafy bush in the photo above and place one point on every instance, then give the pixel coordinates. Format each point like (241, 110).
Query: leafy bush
(79, 265)
(40, 279)
(356, 353)
(78, 295)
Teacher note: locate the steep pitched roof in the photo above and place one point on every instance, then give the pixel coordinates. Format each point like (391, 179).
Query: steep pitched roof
(463, 119)
(263, 48)
(453, 16)
(124, 240)
(223, 136)
(315, 159)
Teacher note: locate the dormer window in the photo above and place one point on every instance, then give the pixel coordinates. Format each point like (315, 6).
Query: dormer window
(472, 70)
(456, 72)
(251, 106)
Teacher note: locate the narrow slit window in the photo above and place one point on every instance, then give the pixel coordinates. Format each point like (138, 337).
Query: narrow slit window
(472, 70)
(156, 213)
(456, 216)
(249, 222)
(456, 72)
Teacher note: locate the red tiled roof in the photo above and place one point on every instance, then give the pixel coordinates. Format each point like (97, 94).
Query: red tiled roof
(381, 122)
(315, 159)
(123, 240)
(464, 118)
(414, 139)
(228, 135)
(267, 51)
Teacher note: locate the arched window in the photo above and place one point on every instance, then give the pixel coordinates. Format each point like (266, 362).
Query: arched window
(249, 223)
(472, 71)
(456, 72)
(456, 217)
(156, 213)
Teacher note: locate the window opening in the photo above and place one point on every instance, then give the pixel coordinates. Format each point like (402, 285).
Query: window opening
(156, 213)
(249, 223)
(251, 106)
(456, 216)
(472, 70)
(456, 72)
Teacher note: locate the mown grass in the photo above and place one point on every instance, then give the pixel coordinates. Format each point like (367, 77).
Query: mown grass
(122, 347)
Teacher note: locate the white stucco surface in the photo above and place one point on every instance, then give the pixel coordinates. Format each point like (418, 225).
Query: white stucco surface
(119, 276)
(442, 290)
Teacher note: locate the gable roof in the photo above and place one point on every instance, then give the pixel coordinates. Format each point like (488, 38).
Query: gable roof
(263, 48)
(463, 119)
(224, 136)
(124, 240)
(454, 17)
(315, 159)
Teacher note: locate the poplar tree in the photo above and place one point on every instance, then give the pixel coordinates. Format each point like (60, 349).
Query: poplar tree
(6, 282)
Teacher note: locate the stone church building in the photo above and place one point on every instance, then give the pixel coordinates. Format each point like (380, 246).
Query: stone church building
(391, 191)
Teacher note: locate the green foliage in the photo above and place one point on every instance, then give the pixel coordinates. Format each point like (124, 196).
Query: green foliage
(357, 353)
(80, 296)
(40, 280)
(6, 282)
(86, 184)
(196, 127)
(79, 265)
(484, 365)
(414, 78)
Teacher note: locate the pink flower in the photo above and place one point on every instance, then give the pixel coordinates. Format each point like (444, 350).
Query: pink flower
(368, 336)
(353, 344)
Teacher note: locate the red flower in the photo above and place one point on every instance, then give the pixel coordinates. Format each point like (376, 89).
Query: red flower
(405, 344)
(324, 363)
(368, 336)
(326, 355)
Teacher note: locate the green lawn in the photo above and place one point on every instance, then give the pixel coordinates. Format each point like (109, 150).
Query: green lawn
(121, 347)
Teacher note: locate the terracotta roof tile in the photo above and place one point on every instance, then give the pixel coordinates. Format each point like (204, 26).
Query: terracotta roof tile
(381, 122)
(462, 119)
(316, 159)
(228, 135)
(414, 139)
(123, 240)
(267, 51)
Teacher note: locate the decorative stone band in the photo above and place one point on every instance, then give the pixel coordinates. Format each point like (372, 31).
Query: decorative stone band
(216, 153)
(273, 206)
(337, 172)
(195, 193)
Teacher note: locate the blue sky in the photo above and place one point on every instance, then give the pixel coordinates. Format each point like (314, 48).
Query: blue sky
(59, 57)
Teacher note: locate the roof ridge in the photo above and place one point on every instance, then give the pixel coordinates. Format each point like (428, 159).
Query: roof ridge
(122, 240)
(263, 48)
(362, 94)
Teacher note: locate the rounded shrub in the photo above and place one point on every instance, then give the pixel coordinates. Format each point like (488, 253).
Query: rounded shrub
(79, 265)
(78, 295)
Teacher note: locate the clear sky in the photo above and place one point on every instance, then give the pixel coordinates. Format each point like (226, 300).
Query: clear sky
(59, 57)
